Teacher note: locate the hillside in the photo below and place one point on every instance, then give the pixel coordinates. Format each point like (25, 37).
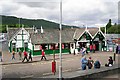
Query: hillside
(12, 21)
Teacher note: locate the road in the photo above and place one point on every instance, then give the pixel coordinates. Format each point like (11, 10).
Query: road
(43, 68)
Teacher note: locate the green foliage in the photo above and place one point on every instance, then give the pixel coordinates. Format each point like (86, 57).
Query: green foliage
(115, 29)
(14, 22)
(108, 25)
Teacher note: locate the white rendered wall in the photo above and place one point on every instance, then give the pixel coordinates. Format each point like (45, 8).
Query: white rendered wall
(37, 47)
(30, 46)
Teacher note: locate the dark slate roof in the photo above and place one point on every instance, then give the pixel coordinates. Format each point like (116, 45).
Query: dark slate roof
(93, 31)
(11, 32)
(52, 36)
(48, 36)
(78, 32)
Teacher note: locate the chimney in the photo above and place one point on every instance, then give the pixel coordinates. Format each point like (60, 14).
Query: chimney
(41, 29)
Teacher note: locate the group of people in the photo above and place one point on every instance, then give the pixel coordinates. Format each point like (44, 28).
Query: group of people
(27, 56)
(92, 48)
(90, 63)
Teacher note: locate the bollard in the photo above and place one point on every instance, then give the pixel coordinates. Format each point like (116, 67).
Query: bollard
(114, 56)
(53, 67)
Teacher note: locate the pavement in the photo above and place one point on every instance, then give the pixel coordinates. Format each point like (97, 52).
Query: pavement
(7, 57)
(38, 68)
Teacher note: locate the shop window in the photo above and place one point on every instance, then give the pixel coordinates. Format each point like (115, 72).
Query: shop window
(66, 46)
(52, 46)
(44, 46)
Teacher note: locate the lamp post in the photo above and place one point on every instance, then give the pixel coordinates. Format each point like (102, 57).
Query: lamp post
(60, 54)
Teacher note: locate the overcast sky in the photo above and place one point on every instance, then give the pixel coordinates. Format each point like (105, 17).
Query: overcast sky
(75, 12)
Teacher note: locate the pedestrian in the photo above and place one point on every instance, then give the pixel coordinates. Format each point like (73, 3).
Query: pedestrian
(30, 56)
(83, 51)
(94, 48)
(25, 56)
(13, 55)
(84, 63)
(97, 64)
(86, 50)
(20, 54)
(1, 56)
(91, 47)
(90, 63)
(110, 62)
(117, 49)
(43, 55)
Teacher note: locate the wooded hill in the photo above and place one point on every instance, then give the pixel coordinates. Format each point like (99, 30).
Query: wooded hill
(12, 21)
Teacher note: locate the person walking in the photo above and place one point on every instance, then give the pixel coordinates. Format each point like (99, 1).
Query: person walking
(25, 56)
(30, 56)
(84, 63)
(20, 54)
(43, 55)
(13, 55)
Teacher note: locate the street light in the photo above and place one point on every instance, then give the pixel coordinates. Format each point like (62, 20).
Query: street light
(60, 54)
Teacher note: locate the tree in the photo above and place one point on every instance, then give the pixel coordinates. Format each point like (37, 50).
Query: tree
(108, 25)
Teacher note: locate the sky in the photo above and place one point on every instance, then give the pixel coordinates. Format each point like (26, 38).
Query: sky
(91, 13)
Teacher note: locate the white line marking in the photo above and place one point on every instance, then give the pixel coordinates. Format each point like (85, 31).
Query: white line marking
(27, 76)
(47, 74)
(66, 70)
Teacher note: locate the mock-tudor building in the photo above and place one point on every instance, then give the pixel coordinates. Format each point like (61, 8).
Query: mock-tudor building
(34, 40)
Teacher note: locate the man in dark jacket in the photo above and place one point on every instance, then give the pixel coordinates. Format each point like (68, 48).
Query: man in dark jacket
(30, 56)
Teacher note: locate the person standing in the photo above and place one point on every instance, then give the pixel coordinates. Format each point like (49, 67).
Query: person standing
(25, 56)
(43, 55)
(30, 56)
(117, 49)
(83, 51)
(13, 55)
(91, 47)
(94, 48)
(84, 63)
(1, 56)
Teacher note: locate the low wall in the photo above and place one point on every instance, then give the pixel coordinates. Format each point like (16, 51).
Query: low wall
(91, 74)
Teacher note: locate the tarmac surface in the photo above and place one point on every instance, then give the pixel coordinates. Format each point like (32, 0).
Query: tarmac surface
(37, 68)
